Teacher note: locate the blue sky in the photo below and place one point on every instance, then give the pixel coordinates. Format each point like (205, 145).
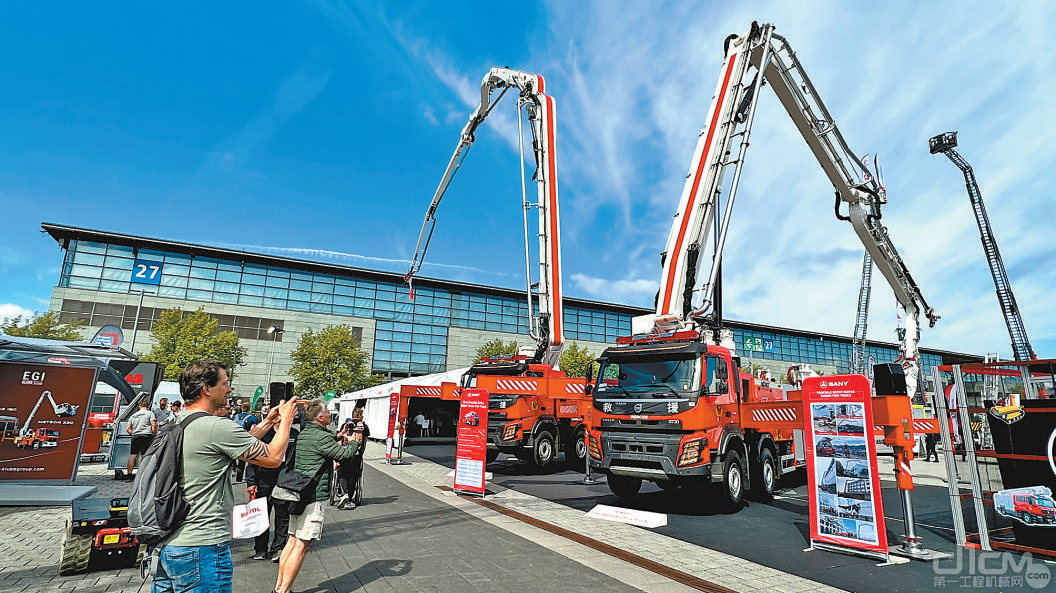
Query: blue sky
(320, 130)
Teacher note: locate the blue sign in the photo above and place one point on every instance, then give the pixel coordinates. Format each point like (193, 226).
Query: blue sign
(146, 272)
(758, 345)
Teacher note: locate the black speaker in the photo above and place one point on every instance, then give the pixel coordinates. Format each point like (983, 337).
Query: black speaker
(889, 379)
(277, 393)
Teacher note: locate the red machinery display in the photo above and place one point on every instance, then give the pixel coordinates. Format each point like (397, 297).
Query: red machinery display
(671, 403)
(524, 417)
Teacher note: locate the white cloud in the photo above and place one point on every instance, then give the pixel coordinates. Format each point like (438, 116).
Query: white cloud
(614, 291)
(10, 310)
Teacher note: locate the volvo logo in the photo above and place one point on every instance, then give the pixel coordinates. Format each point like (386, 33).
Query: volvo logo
(637, 408)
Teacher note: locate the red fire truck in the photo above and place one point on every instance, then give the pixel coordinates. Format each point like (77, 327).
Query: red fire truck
(535, 411)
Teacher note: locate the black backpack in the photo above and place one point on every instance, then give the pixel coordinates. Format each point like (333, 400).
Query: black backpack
(157, 505)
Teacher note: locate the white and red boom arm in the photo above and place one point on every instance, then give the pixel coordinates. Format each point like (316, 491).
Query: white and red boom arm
(750, 59)
(546, 328)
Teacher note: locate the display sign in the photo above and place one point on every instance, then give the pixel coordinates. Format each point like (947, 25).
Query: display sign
(146, 272)
(758, 345)
(842, 476)
(43, 412)
(471, 446)
(394, 410)
(1024, 440)
(109, 335)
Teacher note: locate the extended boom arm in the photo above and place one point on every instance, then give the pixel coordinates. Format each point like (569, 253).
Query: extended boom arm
(750, 59)
(547, 329)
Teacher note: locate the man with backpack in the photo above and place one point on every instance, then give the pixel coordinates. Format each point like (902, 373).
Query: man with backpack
(196, 557)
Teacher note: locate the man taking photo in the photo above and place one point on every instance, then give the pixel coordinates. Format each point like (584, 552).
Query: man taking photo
(317, 449)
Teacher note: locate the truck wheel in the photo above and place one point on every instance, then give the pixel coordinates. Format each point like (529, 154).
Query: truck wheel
(543, 450)
(492, 455)
(36, 445)
(576, 450)
(76, 550)
(732, 481)
(764, 476)
(624, 486)
(1027, 518)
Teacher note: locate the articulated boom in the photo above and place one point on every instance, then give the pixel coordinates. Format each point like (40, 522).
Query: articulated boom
(547, 328)
(750, 59)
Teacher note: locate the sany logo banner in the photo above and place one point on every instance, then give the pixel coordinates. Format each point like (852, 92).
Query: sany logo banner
(472, 444)
(842, 476)
(394, 411)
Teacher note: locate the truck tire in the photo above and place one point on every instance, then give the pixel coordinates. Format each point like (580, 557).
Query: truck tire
(543, 449)
(76, 551)
(36, 445)
(576, 450)
(624, 486)
(1027, 518)
(492, 455)
(732, 481)
(764, 476)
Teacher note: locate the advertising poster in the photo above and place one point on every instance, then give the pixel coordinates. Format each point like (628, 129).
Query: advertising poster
(845, 505)
(472, 444)
(1025, 443)
(394, 412)
(43, 411)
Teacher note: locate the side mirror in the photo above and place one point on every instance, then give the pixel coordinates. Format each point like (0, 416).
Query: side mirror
(721, 387)
(588, 389)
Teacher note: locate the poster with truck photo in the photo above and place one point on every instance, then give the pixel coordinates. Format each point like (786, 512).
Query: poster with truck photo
(43, 412)
(844, 486)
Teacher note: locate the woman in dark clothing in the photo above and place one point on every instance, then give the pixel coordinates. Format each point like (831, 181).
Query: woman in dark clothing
(350, 471)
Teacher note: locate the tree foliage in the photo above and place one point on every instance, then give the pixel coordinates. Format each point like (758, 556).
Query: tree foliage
(331, 359)
(181, 338)
(576, 361)
(45, 326)
(496, 347)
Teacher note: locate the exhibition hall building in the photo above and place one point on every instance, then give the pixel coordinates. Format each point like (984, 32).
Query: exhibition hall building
(269, 302)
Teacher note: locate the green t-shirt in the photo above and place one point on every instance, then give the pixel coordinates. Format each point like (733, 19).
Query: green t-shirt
(211, 444)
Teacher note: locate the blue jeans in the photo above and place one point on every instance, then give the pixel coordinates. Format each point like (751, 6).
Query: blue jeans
(194, 569)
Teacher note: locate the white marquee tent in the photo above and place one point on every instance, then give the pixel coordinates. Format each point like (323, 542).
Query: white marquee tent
(376, 410)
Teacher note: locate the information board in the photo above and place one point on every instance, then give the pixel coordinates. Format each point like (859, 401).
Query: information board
(43, 412)
(846, 509)
(472, 444)
(394, 411)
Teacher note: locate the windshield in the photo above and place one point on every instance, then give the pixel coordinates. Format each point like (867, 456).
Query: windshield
(1045, 502)
(655, 378)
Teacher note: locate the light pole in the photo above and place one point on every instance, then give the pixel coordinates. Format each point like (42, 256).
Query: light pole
(274, 330)
(135, 324)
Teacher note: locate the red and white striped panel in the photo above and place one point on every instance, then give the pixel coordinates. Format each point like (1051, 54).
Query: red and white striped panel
(773, 415)
(434, 391)
(575, 388)
(925, 425)
(526, 385)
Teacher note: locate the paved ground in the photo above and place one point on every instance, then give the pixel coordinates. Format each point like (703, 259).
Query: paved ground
(413, 534)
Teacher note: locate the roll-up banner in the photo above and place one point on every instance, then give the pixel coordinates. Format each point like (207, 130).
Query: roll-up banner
(472, 444)
(846, 510)
(394, 411)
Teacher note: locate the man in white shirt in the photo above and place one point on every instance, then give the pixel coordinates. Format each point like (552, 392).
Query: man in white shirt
(142, 426)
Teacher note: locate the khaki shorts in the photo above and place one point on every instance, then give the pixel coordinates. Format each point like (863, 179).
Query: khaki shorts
(309, 524)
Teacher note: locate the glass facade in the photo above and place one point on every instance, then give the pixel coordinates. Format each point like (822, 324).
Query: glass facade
(785, 347)
(411, 336)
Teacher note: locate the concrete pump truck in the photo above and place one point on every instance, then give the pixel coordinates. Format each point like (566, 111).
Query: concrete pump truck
(671, 404)
(535, 411)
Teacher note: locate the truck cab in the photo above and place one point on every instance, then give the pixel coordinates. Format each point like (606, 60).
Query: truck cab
(526, 417)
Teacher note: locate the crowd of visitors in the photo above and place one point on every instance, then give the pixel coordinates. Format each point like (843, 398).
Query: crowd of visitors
(229, 443)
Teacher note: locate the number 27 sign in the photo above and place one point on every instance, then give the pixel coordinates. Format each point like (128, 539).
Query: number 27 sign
(146, 272)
